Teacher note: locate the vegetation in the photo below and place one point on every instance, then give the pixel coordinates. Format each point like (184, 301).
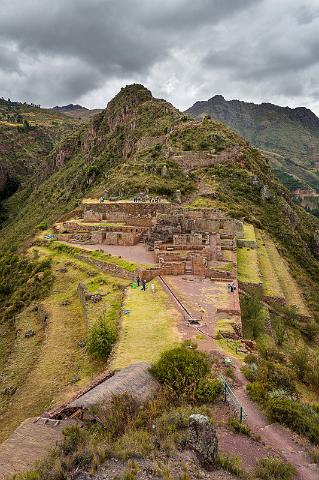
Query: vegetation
(33, 380)
(148, 327)
(186, 372)
(272, 468)
(247, 261)
(292, 133)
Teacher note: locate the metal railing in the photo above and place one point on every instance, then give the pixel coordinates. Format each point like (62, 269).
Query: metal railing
(233, 401)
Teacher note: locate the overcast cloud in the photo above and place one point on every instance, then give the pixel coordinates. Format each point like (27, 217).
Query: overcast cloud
(83, 51)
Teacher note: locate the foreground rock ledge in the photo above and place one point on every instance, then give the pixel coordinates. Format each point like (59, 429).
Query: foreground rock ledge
(202, 439)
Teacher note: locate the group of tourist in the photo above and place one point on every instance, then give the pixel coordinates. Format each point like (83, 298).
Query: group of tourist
(231, 287)
(142, 282)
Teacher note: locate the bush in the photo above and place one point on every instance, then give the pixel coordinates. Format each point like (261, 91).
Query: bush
(232, 465)
(100, 340)
(135, 443)
(300, 361)
(181, 369)
(43, 225)
(272, 468)
(117, 415)
(257, 391)
(253, 316)
(239, 427)
(301, 418)
(208, 389)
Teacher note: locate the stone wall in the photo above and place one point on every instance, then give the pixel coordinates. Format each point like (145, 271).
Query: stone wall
(200, 159)
(109, 268)
(188, 239)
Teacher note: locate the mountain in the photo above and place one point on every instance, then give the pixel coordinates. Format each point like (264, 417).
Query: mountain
(292, 134)
(124, 149)
(77, 111)
(60, 302)
(27, 135)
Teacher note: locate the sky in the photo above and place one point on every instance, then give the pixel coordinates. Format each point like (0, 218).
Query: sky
(55, 52)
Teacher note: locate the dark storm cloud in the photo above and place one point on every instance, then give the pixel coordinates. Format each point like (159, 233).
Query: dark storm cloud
(84, 50)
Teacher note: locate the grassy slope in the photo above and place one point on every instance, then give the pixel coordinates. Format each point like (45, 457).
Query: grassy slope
(271, 285)
(149, 328)
(50, 366)
(272, 128)
(247, 261)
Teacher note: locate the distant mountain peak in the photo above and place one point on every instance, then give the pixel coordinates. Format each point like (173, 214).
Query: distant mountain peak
(70, 107)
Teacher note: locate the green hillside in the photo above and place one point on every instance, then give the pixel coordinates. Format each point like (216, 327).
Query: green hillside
(293, 134)
(27, 135)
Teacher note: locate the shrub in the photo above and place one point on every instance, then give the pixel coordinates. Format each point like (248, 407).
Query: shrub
(117, 415)
(134, 443)
(300, 361)
(208, 389)
(302, 418)
(257, 391)
(272, 468)
(232, 465)
(43, 225)
(74, 436)
(251, 372)
(253, 316)
(239, 427)
(181, 369)
(100, 340)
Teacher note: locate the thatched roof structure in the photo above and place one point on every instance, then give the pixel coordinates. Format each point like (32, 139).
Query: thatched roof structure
(135, 380)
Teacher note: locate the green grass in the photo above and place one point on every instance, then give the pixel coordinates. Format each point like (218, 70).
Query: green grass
(103, 257)
(248, 269)
(271, 285)
(148, 329)
(49, 367)
(249, 232)
(286, 280)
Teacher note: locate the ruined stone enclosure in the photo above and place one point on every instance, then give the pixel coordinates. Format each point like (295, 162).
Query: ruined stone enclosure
(182, 241)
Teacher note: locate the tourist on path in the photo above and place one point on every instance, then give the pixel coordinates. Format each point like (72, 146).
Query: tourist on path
(138, 280)
(143, 285)
(153, 287)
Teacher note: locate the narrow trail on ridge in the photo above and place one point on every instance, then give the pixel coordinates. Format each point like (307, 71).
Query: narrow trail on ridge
(197, 297)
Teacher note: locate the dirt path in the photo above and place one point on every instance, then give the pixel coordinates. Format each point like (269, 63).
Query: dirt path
(202, 298)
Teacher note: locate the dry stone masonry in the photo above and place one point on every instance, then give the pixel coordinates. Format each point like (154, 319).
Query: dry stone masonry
(184, 241)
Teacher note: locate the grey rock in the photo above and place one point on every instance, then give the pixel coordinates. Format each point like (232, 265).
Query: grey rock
(265, 193)
(29, 333)
(202, 439)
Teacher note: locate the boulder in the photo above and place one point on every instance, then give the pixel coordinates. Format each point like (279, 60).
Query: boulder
(202, 439)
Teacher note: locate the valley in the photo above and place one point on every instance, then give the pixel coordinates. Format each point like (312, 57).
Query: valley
(140, 192)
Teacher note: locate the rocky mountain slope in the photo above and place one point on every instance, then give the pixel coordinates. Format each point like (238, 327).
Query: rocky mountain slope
(135, 144)
(291, 133)
(140, 143)
(27, 135)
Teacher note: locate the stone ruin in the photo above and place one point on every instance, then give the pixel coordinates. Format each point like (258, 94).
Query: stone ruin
(183, 240)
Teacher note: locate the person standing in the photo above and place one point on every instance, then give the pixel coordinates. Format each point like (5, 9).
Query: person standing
(153, 287)
(138, 280)
(143, 285)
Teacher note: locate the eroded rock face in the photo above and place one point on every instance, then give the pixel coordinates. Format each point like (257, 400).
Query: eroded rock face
(202, 439)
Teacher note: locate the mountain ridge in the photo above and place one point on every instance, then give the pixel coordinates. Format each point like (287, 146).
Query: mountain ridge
(292, 133)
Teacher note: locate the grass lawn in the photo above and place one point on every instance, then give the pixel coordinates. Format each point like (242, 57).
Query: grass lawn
(286, 280)
(249, 232)
(247, 263)
(271, 285)
(149, 328)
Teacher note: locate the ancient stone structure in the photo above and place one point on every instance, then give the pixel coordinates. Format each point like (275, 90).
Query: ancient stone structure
(183, 240)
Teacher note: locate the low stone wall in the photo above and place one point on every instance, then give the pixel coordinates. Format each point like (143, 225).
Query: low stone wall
(191, 160)
(246, 243)
(109, 268)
